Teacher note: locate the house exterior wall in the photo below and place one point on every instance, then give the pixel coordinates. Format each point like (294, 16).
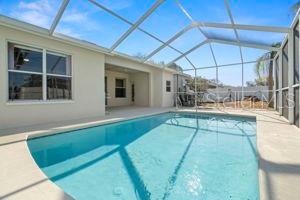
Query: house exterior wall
(87, 82)
(157, 81)
(88, 72)
(141, 88)
(168, 97)
(154, 74)
(111, 85)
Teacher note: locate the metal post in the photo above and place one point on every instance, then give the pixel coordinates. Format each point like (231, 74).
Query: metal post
(291, 76)
(238, 40)
(176, 96)
(196, 93)
(274, 65)
(217, 80)
(280, 103)
(243, 81)
(58, 16)
(217, 72)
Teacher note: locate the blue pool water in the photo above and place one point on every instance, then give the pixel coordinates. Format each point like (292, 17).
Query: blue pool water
(167, 156)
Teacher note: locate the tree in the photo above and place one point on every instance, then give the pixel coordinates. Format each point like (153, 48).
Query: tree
(141, 56)
(264, 70)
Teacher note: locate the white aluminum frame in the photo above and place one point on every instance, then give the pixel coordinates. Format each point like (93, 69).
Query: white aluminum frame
(227, 65)
(136, 24)
(50, 33)
(194, 24)
(238, 41)
(44, 74)
(58, 16)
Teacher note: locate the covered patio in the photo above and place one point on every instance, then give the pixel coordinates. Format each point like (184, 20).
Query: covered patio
(125, 87)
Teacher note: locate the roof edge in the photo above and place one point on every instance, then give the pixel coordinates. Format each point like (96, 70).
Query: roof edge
(45, 33)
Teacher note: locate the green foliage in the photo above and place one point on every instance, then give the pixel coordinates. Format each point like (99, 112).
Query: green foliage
(263, 67)
(141, 56)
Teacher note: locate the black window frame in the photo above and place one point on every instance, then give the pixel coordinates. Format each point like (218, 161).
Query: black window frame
(120, 91)
(168, 86)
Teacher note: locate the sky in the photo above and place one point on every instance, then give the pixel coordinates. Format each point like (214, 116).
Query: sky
(85, 21)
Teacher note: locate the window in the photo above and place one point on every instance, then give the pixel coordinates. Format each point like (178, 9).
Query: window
(168, 86)
(58, 76)
(28, 74)
(120, 91)
(25, 73)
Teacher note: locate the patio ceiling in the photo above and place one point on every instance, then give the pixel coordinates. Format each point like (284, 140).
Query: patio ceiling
(164, 47)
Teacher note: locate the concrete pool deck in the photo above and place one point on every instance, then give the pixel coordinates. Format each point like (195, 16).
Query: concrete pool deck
(278, 148)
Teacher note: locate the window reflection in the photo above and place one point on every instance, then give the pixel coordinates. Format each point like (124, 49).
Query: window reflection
(58, 65)
(27, 73)
(58, 87)
(25, 86)
(120, 90)
(25, 59)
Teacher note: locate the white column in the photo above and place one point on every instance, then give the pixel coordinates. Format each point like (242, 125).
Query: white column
(44, 75)
(4, 86)
(151, 92)
(196, 93)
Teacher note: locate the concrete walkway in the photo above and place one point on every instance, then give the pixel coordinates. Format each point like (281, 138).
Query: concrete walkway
(278, 146)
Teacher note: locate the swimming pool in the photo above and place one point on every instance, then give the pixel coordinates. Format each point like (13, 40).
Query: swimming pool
(176, 156)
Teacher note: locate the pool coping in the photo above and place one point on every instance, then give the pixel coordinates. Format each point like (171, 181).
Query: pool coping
(45, 134)
(260, 152)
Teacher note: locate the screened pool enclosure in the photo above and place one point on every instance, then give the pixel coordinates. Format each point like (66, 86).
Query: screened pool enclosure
(226, 53)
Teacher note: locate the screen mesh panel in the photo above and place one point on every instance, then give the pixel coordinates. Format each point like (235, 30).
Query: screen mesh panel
(277, 101)
(296, 108)
(285, 66)
(296, 53)
(285, 107)
(277, 73)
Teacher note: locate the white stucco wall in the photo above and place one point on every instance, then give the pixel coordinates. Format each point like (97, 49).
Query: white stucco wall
(157, 85)
(111, 85)
(88, 84)
(88, 73)
(168, 97)
(155, 77)
(141, 88)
